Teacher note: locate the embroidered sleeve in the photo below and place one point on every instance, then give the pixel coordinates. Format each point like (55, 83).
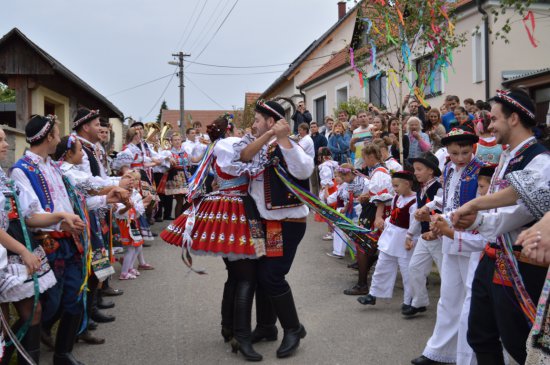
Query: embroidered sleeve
(533, 189)
(137, 201)
(225, 157)
(30, 204)
(253, 167)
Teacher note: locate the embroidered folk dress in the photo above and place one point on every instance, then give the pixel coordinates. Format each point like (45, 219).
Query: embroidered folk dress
(176, 180)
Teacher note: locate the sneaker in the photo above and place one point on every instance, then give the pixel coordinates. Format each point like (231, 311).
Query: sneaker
(146, 267)
(126, 276)
(330, 254)
(327, 237)
(134, 272)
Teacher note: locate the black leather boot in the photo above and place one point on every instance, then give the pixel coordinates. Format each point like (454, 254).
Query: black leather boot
(244, 296)
(490, 358)
(102, 303)
(31, 343)
(228, 307)
(265, 319)
(95, 314)
(64, 343)
(293, 330)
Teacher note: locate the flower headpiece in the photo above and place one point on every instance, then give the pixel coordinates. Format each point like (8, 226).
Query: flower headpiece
(84, 118)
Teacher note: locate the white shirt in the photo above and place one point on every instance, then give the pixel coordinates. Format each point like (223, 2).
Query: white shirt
(85, 165)
(54, 180)
(326, 173)
(307, 144)
(85, 182)
(188, 145)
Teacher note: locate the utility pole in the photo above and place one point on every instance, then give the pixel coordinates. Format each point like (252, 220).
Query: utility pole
(180, 56)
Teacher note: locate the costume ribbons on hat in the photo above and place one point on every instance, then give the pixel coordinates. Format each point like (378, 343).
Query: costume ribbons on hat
(44, 130)
(504, 95)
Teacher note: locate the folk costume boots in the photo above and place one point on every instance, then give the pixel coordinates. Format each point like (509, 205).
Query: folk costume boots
(228, 307)
(293, 329)
(244, 296)
(66, 336)
(265, 319)
(31, 343)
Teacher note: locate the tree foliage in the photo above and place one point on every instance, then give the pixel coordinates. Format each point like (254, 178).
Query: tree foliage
(7, 95)
(352, 106)
(163, 106)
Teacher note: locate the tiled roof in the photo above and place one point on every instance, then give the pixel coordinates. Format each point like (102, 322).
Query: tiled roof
(251, 98)
(337, 61)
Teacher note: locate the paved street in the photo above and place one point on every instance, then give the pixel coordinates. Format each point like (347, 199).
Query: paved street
(168, 316)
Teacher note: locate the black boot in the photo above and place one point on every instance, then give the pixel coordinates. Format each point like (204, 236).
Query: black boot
(490, 358)
(8, 351)
(244, 296)
(102, 303)
(293, 330)
(64, 343)
(31, 343)
(94, 311)
(228, 300)
(265, 319)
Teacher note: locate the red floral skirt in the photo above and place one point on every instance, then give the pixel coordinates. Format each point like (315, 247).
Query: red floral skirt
(130, 235)
(222, 228)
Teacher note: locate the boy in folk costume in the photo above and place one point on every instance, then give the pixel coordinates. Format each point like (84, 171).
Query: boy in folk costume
(285, 219)
(327, 177)
(427, 248)
(500, 294)
(391, 244)
(459, 187)
(36, 176)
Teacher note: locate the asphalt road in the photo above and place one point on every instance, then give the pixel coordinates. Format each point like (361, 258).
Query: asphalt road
(169, 316)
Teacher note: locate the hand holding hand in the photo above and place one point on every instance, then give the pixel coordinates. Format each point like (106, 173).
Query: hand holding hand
(409, 245)
(536, 241)
(379, 224)
(422, 214)
(72, 223)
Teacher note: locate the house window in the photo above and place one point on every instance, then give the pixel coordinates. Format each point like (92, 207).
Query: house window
(320, 108)
(425, 70)
(341, 96)
(377, 90)
(478, 56)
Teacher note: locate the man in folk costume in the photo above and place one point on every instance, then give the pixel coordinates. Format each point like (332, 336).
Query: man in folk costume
(502, 308)
(87, 126)
(36, 175)
(285, 218)
(459, 187)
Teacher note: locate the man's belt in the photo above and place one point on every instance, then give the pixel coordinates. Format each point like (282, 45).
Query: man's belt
(57, 235)
(295, 220)
(491, 250)
(136, 165)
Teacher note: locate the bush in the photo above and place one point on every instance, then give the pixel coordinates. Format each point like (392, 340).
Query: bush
(352, 106)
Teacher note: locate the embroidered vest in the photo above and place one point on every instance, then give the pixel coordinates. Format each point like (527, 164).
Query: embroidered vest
(468, 182)
(423, 200)
(94, 163)
(277, 196)
(38, 182)
(400, 217)
(488, 152)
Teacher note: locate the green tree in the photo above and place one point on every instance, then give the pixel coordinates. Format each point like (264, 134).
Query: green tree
(163, 106)
(7, 95)
(352, 106)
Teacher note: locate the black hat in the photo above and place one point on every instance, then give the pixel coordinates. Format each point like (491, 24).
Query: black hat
(405, 175)
(487, 170)
(428, 159)
(460, 134)
(136, 123)
(520, 102)
(271, 108)
(83, 116)
(38, 127)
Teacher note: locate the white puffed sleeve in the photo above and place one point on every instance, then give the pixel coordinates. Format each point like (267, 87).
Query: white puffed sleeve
(380, 188)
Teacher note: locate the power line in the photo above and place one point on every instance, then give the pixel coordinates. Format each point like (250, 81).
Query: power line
(210, 25)
(217, 30)
(194, 25)
(139, 85)
(204, 93)
(255, 66)
(161, 95)
(189, 22)
(234, 74)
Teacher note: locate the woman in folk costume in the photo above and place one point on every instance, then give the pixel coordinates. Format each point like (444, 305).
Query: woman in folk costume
(177, 176)
(488, 150)
(39, 179)
(375, 199)
(394, 253)
(226, 224)
(140, 162)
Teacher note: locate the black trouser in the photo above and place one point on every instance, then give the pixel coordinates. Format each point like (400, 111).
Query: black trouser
(165, 200)
(495, 313)
(272, 270)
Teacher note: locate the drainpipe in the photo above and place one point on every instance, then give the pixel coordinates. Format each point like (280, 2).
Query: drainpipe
(486, 46)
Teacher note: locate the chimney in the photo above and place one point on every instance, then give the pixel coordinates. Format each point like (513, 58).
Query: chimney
(341, 9)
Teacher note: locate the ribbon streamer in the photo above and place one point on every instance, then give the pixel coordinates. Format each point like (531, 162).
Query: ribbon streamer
(530, 33)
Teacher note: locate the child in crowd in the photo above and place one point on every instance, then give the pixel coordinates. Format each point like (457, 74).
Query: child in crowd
(459, 187)
(393, 251)
(327, 176)
(464, 119)
(391, 163)
(427, 248)
(347, 201)
(488, 150)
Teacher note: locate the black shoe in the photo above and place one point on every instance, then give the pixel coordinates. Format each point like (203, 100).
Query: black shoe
(65, 359)
(227, 334)
(168, 218)
(262, 333)
(101, 317)
(490, 358)
(66, 337)
(404, 307)
(423, 360)
(294, 331)
(411, 311)
(146, 244)
(102, 303)
(155, 234)
(111, 292)
(367, 299)
(92, 325)
(354, 266)
(90, 339)
(244, 296)
(47, 339)
(159, 219)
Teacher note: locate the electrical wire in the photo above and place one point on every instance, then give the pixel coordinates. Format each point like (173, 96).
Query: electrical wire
(140, 85)
(187, 25)
(204, 93)
(194, 25)
(255, 66)
(209, 25)
(161, 95)
(233, 74)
